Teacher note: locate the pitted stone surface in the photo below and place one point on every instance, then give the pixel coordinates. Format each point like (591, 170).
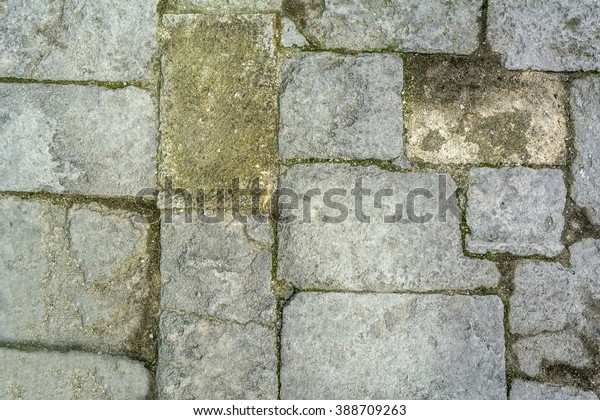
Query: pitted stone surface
(529, 390)
(218, 100)
(72, 375)
(550, 298)
(317, 249)
(400, 346)
(465, 110)
(210, 359)
(75, 277)
(585, 108)
(435, 26)
(221, 6)
(516, 210)
(76, 139)
(290, 37)
(109, 40)
(554, 35)
(220, 269)
(346, 106)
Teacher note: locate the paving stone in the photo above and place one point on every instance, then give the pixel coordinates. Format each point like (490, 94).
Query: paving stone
(585, 108)
(554, 35)
(218, 100)
(436, 26)
(220, 269)
(551, 298)
(210, 359)
(76, 277)
(529, 390)
(335, 105)
(221, 6)
(398, 249)
(516, 210)
(290, 37)
(464, 110)
(550, 348)
(107, 40)
(76, 139)
(371, 346)
(72, 375)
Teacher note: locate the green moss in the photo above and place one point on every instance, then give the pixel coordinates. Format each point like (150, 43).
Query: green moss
(218, 101)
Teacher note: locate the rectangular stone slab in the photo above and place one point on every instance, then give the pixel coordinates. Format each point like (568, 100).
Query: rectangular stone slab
(350, 254)
(218, 101)
(393, 347)
(72, 375)
(76, 139)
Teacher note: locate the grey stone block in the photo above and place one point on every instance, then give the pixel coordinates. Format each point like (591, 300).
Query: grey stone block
(529, 390)
(76, 277)
(553, 35)
(516, 210)
(372, 346)
(346, 106)
(221, 6)
(585, 109)
(435, 26)
(72, 375)
(290, 37)
(399, 248)
(107, 40)
(221, 269)
(210, 359)
(76, 139)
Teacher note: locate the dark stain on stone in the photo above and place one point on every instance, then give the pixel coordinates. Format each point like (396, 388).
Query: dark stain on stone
(433, 141)
(300, 11)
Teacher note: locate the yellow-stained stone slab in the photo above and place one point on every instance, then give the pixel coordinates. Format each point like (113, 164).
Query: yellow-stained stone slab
(218, 101)
(465, 110)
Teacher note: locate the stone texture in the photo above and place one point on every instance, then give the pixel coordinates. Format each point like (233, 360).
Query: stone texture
(76, 139)
(464, 110)
(72, 375)
(109, 40)
(221, 6)
(533, 353)
(76, 276)
(554, 35)
(549, 298)
(290, 37)
(347, 106)
(516, 210)
(385, 254)
(218, 100)
(585, 108)
(529, 390)
(221, 269)
(392, 347)
(435, 26)
(210, 359)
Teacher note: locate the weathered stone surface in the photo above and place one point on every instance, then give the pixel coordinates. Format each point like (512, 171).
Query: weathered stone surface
(465, 110)
(585, 108)
(76, 277)
(517, 210)
(529, 390)
(108, 40)
(320, 248)
(71, 375)
(553, 35)
(369, 346)
(221, 269)
(76, 139)
(550, 348)
(551, 298)
(219, 100)
(209, 359)
(435, 26)
(290, 37)
(221, 6)
(335, 105)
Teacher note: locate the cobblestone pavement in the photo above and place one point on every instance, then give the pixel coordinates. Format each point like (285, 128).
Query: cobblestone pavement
(300, 199)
